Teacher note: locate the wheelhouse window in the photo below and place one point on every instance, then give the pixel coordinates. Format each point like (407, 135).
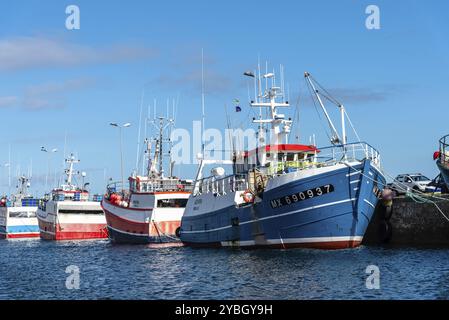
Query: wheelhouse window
(291, 157)
(22, 214)
(172, 203)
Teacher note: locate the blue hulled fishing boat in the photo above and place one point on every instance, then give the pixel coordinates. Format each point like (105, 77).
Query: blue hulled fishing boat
(286, 195)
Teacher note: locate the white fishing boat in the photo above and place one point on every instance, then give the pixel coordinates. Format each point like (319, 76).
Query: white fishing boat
(18, 215)
(151, 208)
(69, 213)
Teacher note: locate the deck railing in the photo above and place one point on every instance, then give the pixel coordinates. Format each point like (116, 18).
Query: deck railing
(155, 185)
(326, 157)
(356, 151)
(223, 185)
(444, 149)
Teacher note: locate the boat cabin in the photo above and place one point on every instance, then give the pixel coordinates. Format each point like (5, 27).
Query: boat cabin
(275, 158)
(142, 184)
(64, 194)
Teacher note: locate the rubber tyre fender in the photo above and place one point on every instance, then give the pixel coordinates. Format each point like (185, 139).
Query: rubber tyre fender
(385, 231)
(388, 212)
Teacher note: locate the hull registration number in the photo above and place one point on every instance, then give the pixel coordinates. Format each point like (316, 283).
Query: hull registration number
(301, 196)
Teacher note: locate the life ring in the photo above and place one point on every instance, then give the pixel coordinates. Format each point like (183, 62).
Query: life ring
(248, 196)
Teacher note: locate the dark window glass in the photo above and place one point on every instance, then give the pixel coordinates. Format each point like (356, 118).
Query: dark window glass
(172, 203)
(22, 214)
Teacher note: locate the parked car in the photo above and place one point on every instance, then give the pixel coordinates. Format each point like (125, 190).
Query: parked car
(438, 185)
(413, 181)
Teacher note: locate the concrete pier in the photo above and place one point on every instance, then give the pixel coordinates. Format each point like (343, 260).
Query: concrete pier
(409, 223)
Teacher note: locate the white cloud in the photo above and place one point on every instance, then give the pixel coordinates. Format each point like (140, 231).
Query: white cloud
(8, 101)
(49, 95)
(38, 52)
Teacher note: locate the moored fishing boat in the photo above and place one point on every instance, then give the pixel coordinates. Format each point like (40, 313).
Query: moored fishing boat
(69, 213)
(18, 215)
(150, 209)
(442, 158)
(286, 195)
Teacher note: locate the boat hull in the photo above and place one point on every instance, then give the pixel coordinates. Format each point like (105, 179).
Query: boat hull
(444, 169)
(71, 226)
(330, 210)
(19, 232)
(140, 226)
(17, 227)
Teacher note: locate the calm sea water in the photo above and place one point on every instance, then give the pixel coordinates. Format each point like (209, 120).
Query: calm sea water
(37, 270)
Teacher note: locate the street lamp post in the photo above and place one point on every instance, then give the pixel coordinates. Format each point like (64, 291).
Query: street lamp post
(125, 125)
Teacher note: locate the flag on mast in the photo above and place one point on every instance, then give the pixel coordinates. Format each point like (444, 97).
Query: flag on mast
(237, 107)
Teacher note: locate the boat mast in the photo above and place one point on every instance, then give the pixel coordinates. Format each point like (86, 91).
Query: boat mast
(158, 159)
(279, 125)
(24, 184)
(261, 133)
(160, 145)
(203, 117)
(69, 172)
(150, 165)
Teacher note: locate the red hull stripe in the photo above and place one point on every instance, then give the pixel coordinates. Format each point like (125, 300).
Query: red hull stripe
(22, 235)
(50, 231)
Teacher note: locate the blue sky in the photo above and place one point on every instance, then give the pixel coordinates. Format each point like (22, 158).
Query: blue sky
(57, 83)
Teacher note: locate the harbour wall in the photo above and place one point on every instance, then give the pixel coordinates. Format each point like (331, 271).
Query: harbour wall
(410, 223)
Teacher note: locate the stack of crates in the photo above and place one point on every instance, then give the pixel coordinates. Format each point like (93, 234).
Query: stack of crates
(97, 197)
(60, 197)
(30, 202)
(77, 196)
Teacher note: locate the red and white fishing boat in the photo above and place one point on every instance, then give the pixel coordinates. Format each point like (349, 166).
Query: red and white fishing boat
(69, 213)
(150, 210)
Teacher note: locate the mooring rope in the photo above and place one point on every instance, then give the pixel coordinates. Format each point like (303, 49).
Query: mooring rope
(159, 232)
(419, 199)
(409, 192)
